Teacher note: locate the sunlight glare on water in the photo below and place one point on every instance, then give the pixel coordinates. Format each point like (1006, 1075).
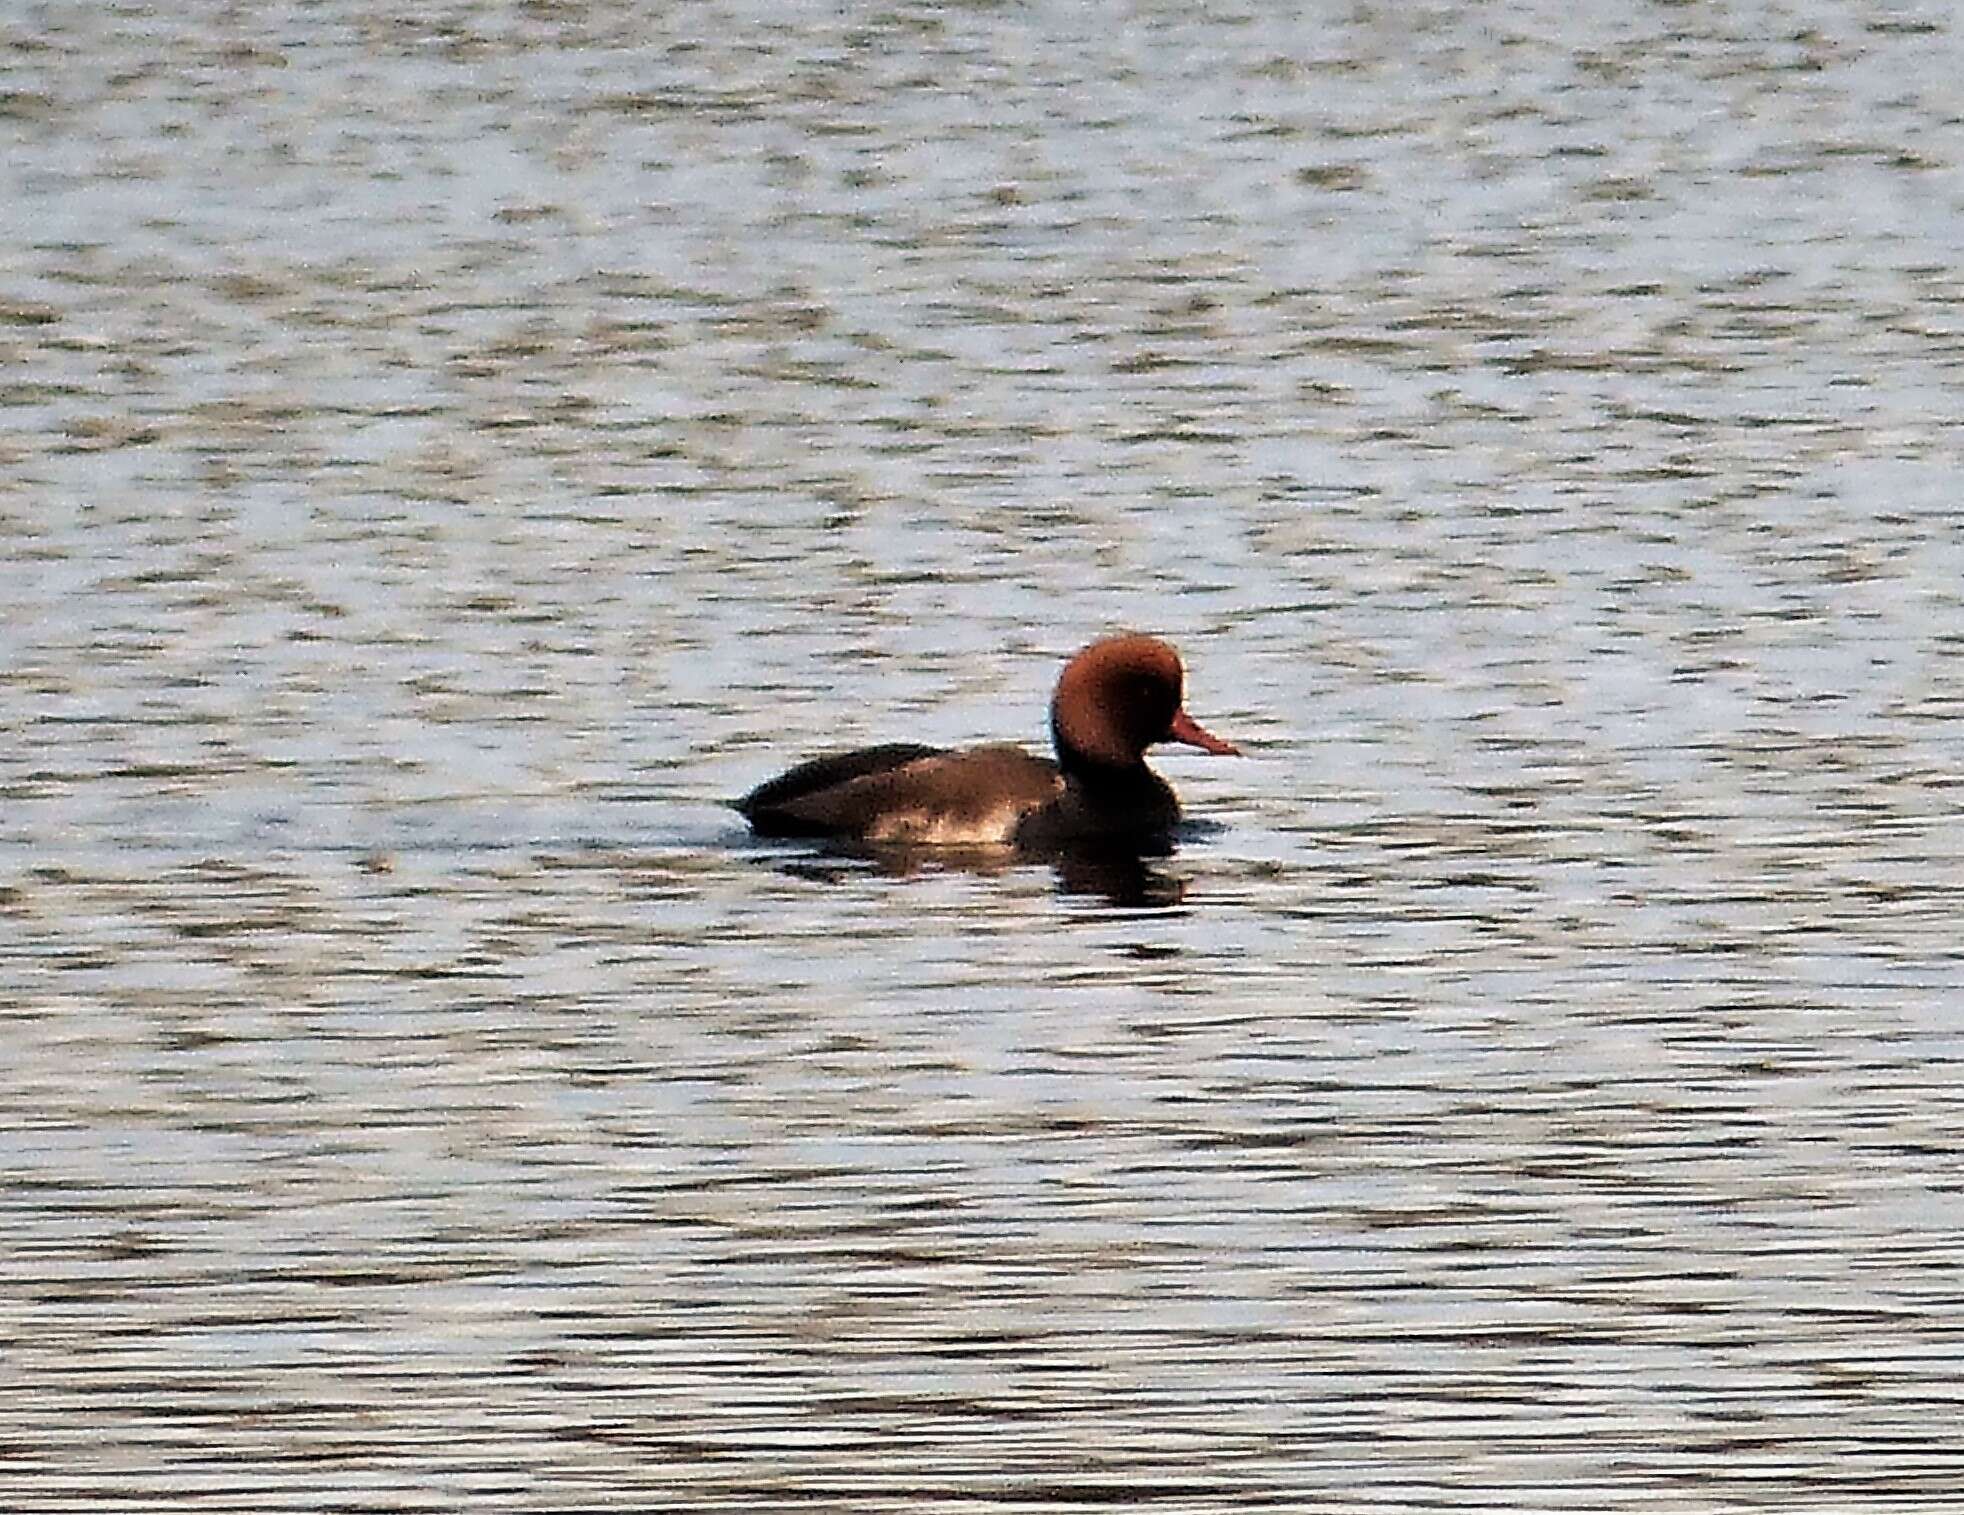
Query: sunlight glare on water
(444, 458)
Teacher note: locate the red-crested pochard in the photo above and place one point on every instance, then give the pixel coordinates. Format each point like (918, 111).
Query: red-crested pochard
(1114, 700)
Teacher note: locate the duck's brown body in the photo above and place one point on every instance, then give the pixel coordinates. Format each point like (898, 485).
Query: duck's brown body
(1115, 699)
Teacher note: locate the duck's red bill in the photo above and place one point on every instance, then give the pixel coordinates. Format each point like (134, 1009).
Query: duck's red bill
(1185, 729)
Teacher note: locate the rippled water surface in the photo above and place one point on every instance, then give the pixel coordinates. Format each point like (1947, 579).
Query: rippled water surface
(445, 454)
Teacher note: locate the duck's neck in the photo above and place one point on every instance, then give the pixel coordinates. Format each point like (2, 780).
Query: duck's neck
(1129, 788)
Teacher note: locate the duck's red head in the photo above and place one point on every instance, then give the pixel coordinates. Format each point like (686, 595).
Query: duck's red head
(1117, 698)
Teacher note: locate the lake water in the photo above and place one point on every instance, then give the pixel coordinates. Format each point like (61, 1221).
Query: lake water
(443, 456)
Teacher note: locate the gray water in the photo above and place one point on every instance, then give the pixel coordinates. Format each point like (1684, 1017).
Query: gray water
(443, 456)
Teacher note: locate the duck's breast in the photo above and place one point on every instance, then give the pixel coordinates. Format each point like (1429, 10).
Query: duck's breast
(1133, 807)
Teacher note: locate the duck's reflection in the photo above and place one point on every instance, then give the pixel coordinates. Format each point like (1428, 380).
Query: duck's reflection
(1128, 879)
(1124, 879)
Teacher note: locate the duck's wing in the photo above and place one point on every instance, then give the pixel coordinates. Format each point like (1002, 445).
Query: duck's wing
(795, 802)
(975, 797)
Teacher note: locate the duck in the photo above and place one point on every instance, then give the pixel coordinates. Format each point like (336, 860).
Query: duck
(1118, 697)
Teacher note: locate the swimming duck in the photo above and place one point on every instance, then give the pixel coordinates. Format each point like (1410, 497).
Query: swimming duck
(1115, 699)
